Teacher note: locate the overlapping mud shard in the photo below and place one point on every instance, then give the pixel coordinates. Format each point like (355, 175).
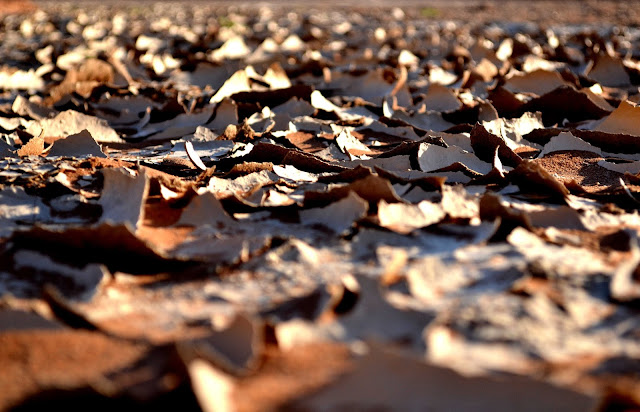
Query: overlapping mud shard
(264, 209)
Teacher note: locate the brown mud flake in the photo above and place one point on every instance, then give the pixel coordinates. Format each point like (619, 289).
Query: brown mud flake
(582, 167)
(306, 141)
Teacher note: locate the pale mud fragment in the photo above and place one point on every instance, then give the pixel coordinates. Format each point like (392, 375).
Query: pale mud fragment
(351, 146)
(567, 141)
(538, 82)
(433, 158)
(513, 130)
(609, 71)
(241, 185)
(226, 113)
(22, 79)
(204, 209)
(10, 123)
(377, 128)
(562, 217)
(71, 122)
(485, 143)
(292, 173)
(125, 110)
(76, 145)
(429, 279)
(441, 99)
(123, 196)
(320, 102)
(238, 82)
(233, 48)
(193, 156)
(623, 120)
(461, 140)
(205, 74)
(567, 103)
(624, 167)
(458, 203)
(183, 125)
(339, 216)
(426, 121)
(404, 219)
(82, 80)
(541, 324)
(390, 164)
(207, 151)
(277, 77)
(373, 87)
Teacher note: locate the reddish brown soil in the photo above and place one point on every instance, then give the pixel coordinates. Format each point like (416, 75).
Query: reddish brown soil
(36, 360)
(581, 167)
(287, 376)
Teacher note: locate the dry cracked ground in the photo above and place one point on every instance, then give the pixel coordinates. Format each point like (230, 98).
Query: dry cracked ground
(223, 208)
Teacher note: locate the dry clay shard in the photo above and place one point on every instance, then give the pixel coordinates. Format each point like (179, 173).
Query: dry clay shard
(404, 218)
(205, 209)
(71, 122)
(538, 82)
(567, 103)
(123, 196)
(432, 158)
(609, 71)
(77, 145)
(567, 141)
(338, 216)
(623, 120)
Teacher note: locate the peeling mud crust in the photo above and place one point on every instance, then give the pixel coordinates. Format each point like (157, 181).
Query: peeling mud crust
(266, 206)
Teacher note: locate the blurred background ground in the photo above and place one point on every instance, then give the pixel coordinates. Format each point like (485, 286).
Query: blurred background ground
(537, 11)
(16, 6)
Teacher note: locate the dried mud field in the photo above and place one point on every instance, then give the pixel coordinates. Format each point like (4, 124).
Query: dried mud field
(253, 207)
